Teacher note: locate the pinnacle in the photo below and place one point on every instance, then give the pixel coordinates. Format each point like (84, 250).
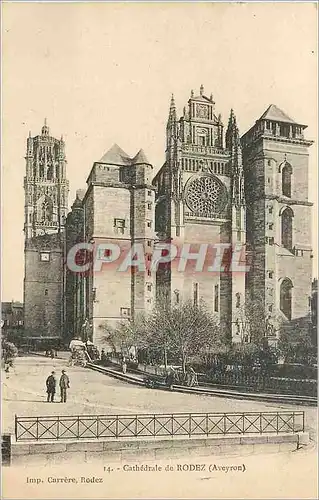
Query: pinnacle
(232, 117)
(45, 128)
(172, 108)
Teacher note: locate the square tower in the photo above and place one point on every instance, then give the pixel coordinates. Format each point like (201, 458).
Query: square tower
(46, 199)
(275, 155)
(118, 210)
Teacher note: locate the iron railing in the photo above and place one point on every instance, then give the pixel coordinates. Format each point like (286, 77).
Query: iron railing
(160, 425)
(262, 383)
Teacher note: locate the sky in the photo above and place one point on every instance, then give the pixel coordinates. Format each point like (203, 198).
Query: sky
(103, 73)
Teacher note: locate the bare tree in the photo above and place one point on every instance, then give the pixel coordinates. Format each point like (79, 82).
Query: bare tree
(256, 324)
(129, 334)
(183, 329)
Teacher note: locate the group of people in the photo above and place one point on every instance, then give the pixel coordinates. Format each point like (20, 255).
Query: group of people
(51, 384)
(189, 378)
(52, 353)
(82, 352)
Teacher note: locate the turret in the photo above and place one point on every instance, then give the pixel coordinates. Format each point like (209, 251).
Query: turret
(171, 123)
(234, 146)
(45, 128)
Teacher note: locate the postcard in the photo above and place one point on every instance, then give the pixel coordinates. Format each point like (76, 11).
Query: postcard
(159, 250)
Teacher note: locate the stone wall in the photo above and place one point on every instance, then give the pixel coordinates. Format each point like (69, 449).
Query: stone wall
(43, 286)
(142, 449)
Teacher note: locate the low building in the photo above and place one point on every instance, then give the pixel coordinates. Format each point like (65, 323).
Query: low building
(12, 324)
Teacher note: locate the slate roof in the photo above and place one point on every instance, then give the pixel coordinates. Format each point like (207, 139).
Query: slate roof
(140, 158)
(276, 114)
(116, 156)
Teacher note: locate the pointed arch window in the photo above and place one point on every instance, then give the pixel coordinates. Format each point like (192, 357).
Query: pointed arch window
(286, 180)
(286, 297)
(286, 228)
(50, 173)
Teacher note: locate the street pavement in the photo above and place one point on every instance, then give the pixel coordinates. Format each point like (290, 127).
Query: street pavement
(269, 475)
(24, 394)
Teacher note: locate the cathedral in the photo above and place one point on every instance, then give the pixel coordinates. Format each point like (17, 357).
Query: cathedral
(215, 188)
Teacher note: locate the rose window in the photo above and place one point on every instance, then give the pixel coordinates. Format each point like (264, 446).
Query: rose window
(206, 196)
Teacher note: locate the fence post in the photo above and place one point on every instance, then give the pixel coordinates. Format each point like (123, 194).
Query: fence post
(189, 425)
(16, 427)
(6, 449)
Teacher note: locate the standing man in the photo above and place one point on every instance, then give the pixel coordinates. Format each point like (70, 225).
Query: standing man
(124, 365)
(51, 386)
(64, 385)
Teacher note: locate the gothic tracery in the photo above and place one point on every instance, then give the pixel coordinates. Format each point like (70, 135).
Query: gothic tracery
(206, 195)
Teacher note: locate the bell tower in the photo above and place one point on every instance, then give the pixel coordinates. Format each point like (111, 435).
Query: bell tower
(276, 156)
(46, 202)
(45, 185)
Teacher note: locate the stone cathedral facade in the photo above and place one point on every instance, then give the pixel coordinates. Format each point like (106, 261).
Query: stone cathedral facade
(215, 187)
(201, 200)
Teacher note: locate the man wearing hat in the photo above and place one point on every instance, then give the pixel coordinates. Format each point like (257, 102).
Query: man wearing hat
(51, 385)
(64, 385)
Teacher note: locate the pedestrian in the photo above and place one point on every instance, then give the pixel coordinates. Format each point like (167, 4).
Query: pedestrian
(124, 365)
(64, 385)
(170, 378)
(51, 386)
(193, 377)
(103, 357)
